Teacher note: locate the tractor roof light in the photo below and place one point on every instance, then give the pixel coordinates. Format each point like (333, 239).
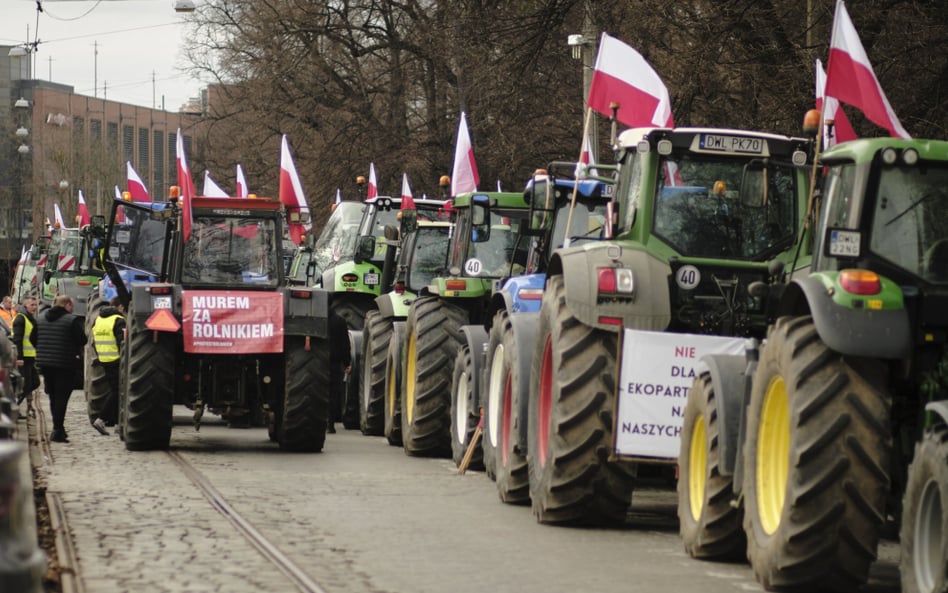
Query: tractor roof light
(861, 282)
(889, 155)
(910, 156)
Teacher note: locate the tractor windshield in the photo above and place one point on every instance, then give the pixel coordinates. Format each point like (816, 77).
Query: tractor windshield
(492, 257)
(137, 241)
(231, 251)
(910, 224)
(701, 210)
(429, 257)
(337, 241)
(65, 250)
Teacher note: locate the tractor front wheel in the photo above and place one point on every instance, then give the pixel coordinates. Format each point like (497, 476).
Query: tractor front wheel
(924, 536)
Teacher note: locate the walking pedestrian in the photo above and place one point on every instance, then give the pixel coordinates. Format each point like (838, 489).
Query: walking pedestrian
(60, 338)
(7, 313)
(108, 333)
(24, 338)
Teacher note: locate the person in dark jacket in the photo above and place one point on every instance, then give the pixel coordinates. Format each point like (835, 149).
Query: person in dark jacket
(60, 337)
(24, 338)
(108, 333)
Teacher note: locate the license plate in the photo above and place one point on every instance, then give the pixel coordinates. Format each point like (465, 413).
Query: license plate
(161, 302)
(844, 243)
(370, 279)
(733, 144)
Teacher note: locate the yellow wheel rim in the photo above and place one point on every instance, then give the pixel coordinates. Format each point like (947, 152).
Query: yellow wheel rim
(409, 394)
(773, 455)
(697, 468)
(390, 392)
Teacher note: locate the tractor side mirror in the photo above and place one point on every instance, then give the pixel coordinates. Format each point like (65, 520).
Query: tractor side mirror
(365, 250)
(480, 219)
(753, 192)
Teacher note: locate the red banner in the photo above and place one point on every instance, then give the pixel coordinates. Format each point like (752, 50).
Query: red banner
(232, 321)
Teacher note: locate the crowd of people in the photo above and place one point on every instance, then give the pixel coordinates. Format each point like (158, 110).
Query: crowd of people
(50, 344)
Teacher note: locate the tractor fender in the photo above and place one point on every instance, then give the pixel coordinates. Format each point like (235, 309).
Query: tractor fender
(67, 285)
(306, 316)
(392, 305)
(647, 308)
(524, 326)
(385, 305)
(731, 377)
(852, 332)
(475, 338)
(143, 302)
(939, 409)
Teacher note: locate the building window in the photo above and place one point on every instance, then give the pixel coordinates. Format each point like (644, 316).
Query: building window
(158, 148)
(143, 154)
(95, 131)
(172, 158)
(128, 143)
(111, 131)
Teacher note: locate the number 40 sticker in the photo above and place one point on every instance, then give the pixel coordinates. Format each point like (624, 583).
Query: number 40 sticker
(688, 277)
(473, 267)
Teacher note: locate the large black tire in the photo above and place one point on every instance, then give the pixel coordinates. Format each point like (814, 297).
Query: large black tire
(149, 394)
(710, 525)
(392, 413)
(502, 417)
(433, 333)
(352, 308)
(572, 406)
(306, 395)
(924, 534)
(464, 413)
(816, 462)
(375, 338)
(95, 384)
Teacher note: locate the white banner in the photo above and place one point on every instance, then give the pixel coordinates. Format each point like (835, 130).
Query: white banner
(655, 374)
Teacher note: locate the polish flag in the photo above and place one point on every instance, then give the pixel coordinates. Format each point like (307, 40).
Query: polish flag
(373, 190)
(242, 191)
(84, 217)
(58, 217)
(186, 185)
(211, 189)
(850, 78)
(621, 75)
(587, 156)
(408, 202)
(135, 185)
(830, 109)
(291, 191)
(464, 178)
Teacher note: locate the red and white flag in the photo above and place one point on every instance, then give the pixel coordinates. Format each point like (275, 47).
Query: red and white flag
(621, 75)
(242, 191)
(830, 109)
(587, 156)
(211, 189)
(186, 185)
(851, 79)
(120, 212)
(373, 189)
(58, 217)
(291, 191)
(83, 214)
(136, 186)
(408, 202)
(464, 178)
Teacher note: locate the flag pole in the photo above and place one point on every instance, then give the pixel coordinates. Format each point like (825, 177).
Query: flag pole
(572, 203)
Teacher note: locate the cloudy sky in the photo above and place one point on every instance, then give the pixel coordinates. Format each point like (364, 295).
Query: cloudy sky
(137, 41)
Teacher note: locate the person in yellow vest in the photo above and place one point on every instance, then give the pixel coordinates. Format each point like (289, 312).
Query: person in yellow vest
(24, 338)
(7, 313)
(108, 333)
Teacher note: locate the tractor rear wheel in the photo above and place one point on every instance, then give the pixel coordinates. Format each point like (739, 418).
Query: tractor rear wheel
(924, 535)
(572, 402)
(507, 464)
(464, 413)
(710, 525)
(149, 397)
(375, 338)
(434, 337)
(353, 309)
(306, 395)
(816, 462)
(393, 382)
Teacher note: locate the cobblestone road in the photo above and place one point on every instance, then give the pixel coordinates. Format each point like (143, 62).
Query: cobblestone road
(360, 517)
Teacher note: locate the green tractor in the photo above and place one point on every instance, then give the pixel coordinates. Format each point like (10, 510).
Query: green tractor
(420, 245)
(483, 250)
(837, 426)
(72, 267)
(623, 322)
